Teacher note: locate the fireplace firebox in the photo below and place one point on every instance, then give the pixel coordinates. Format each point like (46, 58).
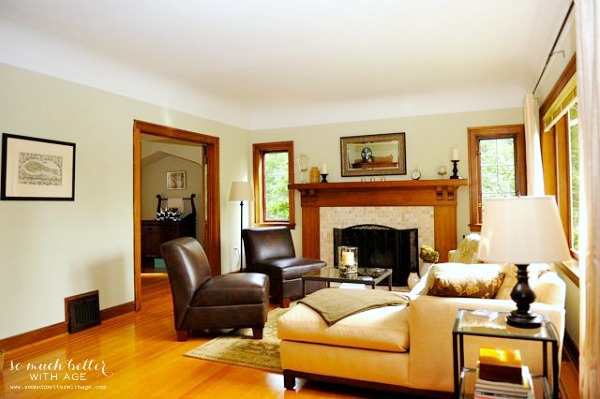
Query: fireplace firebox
(381, 247)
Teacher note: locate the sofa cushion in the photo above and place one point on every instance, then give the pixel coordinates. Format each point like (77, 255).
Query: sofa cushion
(288, 268)
(384, 329)
(465, 280)
(534, 272)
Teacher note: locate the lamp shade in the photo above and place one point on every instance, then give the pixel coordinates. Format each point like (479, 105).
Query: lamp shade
(241, 191)
(522, 230)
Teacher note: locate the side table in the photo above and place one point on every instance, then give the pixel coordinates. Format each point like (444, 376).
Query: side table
(487, 323)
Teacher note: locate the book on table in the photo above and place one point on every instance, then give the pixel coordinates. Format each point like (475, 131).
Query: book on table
(500, 364)
(486, 389)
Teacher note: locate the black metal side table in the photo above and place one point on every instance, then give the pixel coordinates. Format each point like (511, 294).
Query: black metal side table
(488, 323)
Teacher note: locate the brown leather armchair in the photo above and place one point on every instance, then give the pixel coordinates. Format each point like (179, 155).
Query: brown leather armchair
(271, 251)
(201, 302)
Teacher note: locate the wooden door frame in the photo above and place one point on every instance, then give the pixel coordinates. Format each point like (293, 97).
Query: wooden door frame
(212, 211)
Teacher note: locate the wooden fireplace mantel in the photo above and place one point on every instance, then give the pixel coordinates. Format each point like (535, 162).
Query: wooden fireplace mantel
(440, 194)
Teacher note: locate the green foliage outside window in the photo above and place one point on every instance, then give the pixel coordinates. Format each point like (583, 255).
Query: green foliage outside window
(498, 170)
(574, 154)
(277, 206)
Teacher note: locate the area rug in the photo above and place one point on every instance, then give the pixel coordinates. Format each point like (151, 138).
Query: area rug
(239, 348)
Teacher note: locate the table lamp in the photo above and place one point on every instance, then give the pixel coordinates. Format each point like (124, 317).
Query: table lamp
(241, 191)
(522, 230)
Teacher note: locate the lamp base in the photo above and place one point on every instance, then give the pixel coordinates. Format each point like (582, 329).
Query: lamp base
(528, 320)
(523, 295)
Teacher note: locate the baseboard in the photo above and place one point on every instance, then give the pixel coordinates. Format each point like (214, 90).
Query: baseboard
(53, 330)
(571, 350)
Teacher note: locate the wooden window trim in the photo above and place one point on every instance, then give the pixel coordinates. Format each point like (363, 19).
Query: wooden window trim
(475, 134)
(555, 159)
(258, 152)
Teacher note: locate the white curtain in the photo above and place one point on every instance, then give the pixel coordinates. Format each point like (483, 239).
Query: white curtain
(588, 75)
(533, 153)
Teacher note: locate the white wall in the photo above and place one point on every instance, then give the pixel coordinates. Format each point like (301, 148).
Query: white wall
(429, 144)
(50, 250)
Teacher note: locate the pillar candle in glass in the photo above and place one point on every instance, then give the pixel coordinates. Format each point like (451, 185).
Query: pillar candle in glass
(348, 259)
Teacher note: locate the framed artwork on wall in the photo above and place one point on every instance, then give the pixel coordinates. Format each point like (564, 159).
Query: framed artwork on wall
(37, 169)
(176, 180)
(373, 155)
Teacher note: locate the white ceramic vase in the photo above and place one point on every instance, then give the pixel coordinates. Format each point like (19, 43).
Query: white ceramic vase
(412, 280)
(424, 268)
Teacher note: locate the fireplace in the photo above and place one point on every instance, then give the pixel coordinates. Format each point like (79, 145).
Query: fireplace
(438, 195)
(381, 247)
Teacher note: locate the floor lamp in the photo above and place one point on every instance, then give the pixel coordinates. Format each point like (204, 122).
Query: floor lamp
(522, 230)
(241, 191)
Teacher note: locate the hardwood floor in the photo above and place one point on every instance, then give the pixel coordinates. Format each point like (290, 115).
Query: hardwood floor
(136, 356)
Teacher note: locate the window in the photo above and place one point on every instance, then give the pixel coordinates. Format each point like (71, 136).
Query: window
(574, 175)
(273, 165)
(496, 166)
(560, 152)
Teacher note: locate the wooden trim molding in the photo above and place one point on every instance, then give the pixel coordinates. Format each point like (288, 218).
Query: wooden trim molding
(213, 212)
(560, 84)
(53, 330)
(258, 152)
(440, 194)
(474, 136)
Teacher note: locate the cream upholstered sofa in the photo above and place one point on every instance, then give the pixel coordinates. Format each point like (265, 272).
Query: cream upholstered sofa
(407, 348)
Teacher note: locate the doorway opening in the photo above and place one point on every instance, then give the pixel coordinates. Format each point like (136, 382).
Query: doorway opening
(208, 232)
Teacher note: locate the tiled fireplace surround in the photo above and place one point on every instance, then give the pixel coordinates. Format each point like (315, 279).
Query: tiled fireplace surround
(398, 217)
(429, 205)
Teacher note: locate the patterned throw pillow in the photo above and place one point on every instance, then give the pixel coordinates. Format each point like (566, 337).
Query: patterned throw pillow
(465, 280)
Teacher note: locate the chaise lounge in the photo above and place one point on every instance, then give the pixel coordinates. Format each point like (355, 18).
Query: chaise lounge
(409, 348)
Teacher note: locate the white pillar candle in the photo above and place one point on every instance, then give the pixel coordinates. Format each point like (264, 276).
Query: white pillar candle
(324, 168)
(348, 258)
(455, 154)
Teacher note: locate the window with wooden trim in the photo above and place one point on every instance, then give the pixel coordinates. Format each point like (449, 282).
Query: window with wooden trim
(496, 166)
(273, 168)
(560, 152)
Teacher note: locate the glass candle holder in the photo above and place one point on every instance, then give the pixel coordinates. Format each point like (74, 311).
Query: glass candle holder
(348, 259)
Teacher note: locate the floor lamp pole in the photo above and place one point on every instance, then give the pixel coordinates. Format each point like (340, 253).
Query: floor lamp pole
(241, 238)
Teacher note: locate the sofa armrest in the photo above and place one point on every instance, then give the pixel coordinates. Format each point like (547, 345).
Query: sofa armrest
(431, 321)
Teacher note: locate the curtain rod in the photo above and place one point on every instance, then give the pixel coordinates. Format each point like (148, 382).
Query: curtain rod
(562, 27)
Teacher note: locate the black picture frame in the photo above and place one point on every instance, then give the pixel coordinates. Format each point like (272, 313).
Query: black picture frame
(36, 169)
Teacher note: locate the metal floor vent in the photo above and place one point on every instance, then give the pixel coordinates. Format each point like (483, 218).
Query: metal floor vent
(83, 311)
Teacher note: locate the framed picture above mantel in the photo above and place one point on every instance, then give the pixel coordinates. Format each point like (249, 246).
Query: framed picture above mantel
(373, 155)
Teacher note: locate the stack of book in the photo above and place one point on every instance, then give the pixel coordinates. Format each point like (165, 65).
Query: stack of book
(501, 375)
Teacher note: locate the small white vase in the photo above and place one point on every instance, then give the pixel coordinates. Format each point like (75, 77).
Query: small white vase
(412, 280)
(424, 268)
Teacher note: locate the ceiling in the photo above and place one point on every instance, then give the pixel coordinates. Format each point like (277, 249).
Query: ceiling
(274, 63)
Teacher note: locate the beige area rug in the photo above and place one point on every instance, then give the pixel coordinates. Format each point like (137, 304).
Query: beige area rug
(239, 348)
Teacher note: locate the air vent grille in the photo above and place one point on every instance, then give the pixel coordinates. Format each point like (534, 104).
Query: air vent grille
(83, 311)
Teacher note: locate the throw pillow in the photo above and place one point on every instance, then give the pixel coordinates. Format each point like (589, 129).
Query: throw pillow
(465, 280)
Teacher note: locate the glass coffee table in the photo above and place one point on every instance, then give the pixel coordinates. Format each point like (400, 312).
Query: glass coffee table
(366, 276)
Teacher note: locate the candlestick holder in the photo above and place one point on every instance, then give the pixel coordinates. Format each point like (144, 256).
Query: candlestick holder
(324, 177)
(455, 169)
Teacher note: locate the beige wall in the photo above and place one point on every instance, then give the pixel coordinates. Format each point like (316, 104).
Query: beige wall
(429, 144)
(50, 250)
